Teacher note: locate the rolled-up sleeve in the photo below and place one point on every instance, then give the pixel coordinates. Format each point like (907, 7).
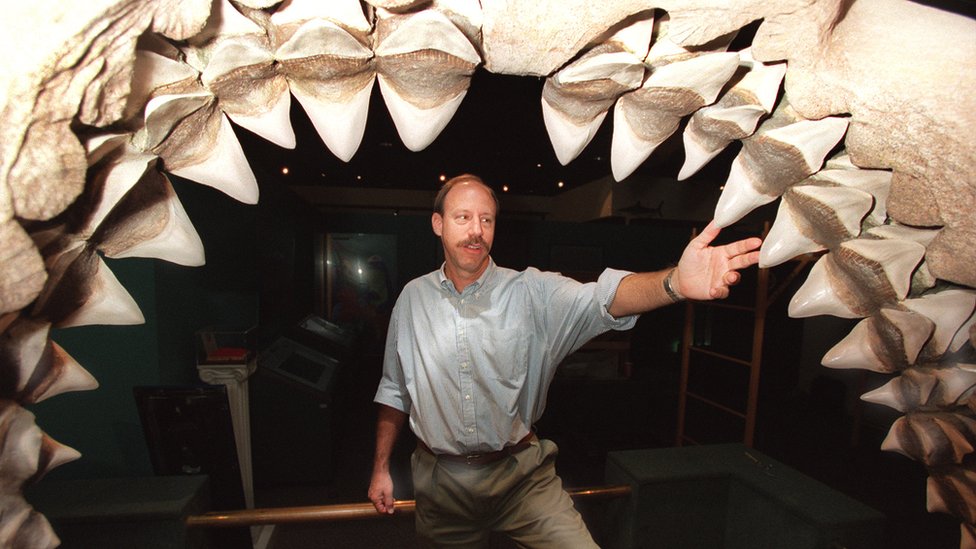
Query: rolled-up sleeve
(606, 291)
(392, 390)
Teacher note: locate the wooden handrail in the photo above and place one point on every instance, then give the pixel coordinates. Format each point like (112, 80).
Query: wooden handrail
(347, 511)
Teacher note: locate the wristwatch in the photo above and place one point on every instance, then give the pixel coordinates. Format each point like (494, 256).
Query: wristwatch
(669, 289)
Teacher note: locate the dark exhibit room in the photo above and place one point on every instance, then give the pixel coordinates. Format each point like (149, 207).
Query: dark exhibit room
(249, 387)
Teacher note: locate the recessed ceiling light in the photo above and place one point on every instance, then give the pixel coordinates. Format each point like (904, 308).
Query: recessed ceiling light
(284, 170)
(443, 178)
(505, 188)
(560, 184)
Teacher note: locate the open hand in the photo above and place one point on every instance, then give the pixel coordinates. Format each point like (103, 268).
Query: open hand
(706, 272)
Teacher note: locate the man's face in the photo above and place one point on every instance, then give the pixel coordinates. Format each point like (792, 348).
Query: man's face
(467, 229)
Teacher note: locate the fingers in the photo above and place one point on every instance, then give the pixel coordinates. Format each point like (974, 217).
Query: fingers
(384, 505)
(382, 500)
(744, 260)
(741, 247)
(708, 234)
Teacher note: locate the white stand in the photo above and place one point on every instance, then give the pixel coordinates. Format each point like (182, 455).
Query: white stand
(234, 378)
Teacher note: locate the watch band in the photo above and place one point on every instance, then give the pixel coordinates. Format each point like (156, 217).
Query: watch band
(669, 289)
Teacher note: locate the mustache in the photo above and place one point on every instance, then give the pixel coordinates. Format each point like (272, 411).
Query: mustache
(476, 240)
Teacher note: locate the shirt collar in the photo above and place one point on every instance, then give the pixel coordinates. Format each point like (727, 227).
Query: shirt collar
(474, 286)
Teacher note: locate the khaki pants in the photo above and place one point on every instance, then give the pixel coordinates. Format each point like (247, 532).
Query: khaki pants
(458, 505)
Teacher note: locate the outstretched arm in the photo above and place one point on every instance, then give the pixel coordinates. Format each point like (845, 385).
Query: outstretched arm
(389, 423)
(704, 272)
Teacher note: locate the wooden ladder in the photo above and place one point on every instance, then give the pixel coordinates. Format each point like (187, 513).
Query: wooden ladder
(763, 300)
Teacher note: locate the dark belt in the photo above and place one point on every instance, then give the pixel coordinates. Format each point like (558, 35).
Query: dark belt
(486, 457)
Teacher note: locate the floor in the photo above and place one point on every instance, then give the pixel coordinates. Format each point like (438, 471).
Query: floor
(813, 438)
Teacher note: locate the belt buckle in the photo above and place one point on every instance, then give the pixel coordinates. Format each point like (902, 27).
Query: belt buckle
(472, 457)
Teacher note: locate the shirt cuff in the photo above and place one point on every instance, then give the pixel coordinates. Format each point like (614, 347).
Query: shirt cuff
(606, 290)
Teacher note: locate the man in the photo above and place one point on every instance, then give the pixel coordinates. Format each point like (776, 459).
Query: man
(470, 353)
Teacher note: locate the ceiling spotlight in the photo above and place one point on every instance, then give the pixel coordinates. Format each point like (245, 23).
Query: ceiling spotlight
(284, 170)
(560, 184)
(539, 165)
(443, 178)
(359, 178)
(505, 188)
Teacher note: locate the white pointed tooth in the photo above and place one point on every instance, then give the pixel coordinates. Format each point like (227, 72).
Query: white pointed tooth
(340, 125)
(151, 71)
(784, 151)
(763, 79)
(739, 196)
(892, 395)
(813, 138)
(226, 169)
(25, 344)
(273, 124)
(933, 438)
(575, 100)
(261, 104)
(620, 66)
(856, 351)
(734, 116)
(817, 295)
(348, 12)
(847, 206)
(628, 150)
(785, 240)
(645, 118)
(161, 228)
(315, 38)
(568, 139)
(164, 112)
(117, 179)
(108, 301)
(418, 127)
(422, 91)
(229, 55)
(898, 258)
(67, 376)
(705, 75)
(948, 310)
(816, 218)
(916, 388)
(56, 454)
(337, 106)
(636, 37)
(737, 122)
(428, 30)
(914, 330)
(951, 492)
(696, 154)
(877, 183)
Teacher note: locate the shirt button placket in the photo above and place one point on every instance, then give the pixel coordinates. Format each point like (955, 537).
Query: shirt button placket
(467, 403)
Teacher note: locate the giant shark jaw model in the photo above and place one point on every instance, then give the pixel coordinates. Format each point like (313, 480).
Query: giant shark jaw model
(102, 99)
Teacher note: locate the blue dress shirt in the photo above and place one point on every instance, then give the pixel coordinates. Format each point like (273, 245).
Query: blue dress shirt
(472, 369)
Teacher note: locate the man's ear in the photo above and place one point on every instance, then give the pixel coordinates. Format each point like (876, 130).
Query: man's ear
(437, 223)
